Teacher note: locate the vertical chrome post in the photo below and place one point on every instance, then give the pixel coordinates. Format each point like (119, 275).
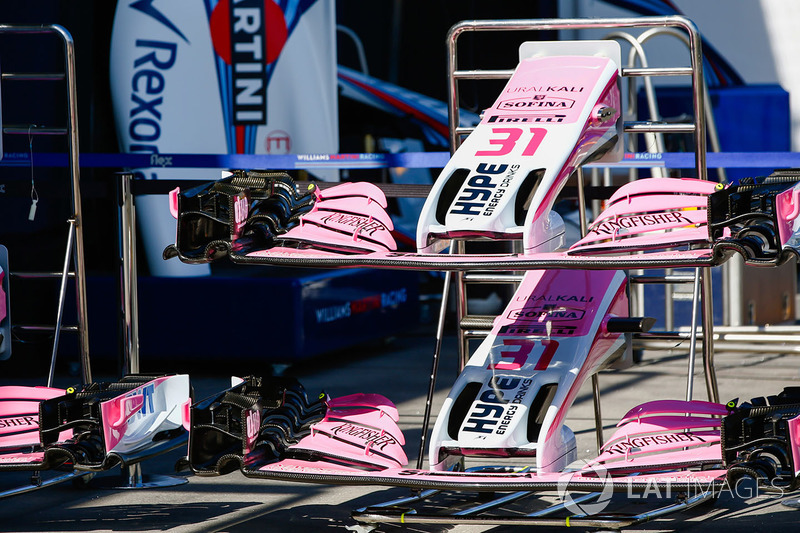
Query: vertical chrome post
(581, 201)
(693, 336)
(74, 168)
(461, 307)
(598, 416)
(435, 364)
(129, 297)
(708, 336)
(131, 474)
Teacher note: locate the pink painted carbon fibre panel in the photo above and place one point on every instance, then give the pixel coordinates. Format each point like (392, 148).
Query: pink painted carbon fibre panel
(592, 133)
(360, 428)
(351, 189)
(666, 236)
(444, 262)
(286, 469)
(637, 463)
(566, 91)
(325, 229)
(659, 407)
(653, 202)
(367, 418)
(567, 299)
(3, 310)
(676, 186)
(655, 212)
(794, 436)
(19, 414)
(173, 202)
(663, 441)
(360, 226)
(787, 205)
(354, 441)
(356, 205)
(21, 458)
(654, 424)
(365, 401)
(286, 251)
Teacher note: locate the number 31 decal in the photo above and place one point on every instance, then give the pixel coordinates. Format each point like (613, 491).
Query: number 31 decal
(520, 356)
(506, 139)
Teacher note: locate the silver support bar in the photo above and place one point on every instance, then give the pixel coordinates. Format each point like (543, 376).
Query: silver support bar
(494, 504)
(576, 500)
(130, 305)
(598, 415)
(669, 278)
(483, 74)
(753, 349)
(62, 294)
(464, 131)
(475, 333)
(693, 337)
(27, 76)
(132, 476)
(492, 277)
(656, 127)
(477, 322)
(460, 247)
(708, 335)
(638, 72)
(74, 168)
(437, 352)
(36, 327)
(34, 130)
(604, 521)
(41, 275)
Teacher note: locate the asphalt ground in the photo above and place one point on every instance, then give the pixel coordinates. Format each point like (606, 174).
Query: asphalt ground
(398, 370)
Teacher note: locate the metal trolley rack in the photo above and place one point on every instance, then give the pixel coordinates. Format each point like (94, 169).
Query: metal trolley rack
(477, 326)
(74, 262)
(74, 266)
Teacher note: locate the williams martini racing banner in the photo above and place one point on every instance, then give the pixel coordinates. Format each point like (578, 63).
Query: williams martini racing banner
(220, 76)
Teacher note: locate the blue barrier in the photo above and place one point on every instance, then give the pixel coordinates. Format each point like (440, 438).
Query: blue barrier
(768, 160)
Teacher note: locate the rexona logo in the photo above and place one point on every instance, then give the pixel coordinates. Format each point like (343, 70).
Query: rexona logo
(248, 35)
(534, 102)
